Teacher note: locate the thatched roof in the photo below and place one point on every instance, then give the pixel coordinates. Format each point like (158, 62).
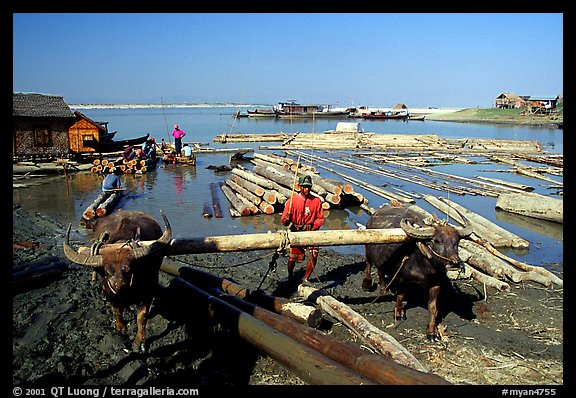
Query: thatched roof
(40, 105)
(400, 106)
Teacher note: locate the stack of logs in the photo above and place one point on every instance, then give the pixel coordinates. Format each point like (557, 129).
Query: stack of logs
(270, 184)
(102, 205)
(133, 166)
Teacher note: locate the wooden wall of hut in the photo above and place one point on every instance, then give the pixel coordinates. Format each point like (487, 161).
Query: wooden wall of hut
(82, 130)
(40, 137)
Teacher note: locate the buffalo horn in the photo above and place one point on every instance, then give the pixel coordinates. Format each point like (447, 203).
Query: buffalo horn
(160, 243)
(417, 233)
(466, 229)
(81, 259)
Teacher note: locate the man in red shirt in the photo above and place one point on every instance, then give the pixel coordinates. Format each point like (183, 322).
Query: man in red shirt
(303, 212)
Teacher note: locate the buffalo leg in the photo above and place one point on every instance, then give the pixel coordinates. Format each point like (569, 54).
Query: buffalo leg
(141, 319)
(399, 311)
(367, 281)
(432, 330)
(120, 323)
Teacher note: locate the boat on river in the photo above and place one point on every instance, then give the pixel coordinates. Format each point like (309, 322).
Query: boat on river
(110, 145)
(292, 109)
(397, 115)
(261, 113)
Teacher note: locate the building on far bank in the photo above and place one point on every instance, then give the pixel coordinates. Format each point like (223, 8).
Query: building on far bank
(531, 103)
(40, 126)
(509, 101)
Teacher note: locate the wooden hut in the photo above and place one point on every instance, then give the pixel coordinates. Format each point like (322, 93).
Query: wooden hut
(509, 101)
(40, 126)
(538, 104)
(85, 131)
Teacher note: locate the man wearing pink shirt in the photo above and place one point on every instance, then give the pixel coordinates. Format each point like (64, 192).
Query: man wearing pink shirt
(178, 134)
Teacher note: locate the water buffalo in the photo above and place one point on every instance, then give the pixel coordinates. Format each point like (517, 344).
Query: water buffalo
(420, 263)
(129, 273)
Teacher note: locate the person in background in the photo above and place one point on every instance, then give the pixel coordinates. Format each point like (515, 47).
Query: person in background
(129, 153)
(140, 154)
(111, 182)
(165, 147)
(149, 149)
(303, 212)
(178, 134)
(170, 158)
(186, 151)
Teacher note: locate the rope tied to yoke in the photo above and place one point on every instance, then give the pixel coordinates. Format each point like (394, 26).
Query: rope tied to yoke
(283, 248)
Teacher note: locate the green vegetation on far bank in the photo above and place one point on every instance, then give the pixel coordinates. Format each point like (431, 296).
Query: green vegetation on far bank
(508, 116)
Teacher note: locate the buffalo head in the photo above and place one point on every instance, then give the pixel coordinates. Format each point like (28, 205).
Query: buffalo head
(129, 272)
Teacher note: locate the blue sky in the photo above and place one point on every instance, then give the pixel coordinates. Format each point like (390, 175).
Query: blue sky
(421, 60)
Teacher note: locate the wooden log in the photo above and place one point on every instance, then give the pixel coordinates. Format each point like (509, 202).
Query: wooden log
(255, 199)
(376, 367)
(334, 189)
(280, 161)
(521, 265)
(248, 185)
(215, 200)
(38, 273)
(482, 227)
(346, 188)
(265, 241)
(269, 197)
(532, 205)
(236, 203)
(310, 365)
(107, 206)
(275, 175)
(302, 313)
(482, 259)
(263, 182)
(207, 211)
(333, 198)
(520, 187)
(90, 213)
(253, 208)
(376, 338)
(280, 198)
(266, 208)
(489, 281)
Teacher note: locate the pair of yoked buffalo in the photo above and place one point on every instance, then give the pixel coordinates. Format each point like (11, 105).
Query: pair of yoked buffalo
(130, 273)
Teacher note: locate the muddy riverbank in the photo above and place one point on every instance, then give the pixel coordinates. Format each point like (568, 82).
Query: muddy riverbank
(63, 330)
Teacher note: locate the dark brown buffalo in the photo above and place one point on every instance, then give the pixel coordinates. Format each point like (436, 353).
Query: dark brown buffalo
(420, 263)
(130, 273)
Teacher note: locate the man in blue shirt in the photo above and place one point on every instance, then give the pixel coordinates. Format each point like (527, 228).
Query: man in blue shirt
(111, 181)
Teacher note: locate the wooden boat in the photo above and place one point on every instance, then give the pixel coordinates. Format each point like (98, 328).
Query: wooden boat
(261, 113)
(114, 146)
(191, 160)
(386, 115)
(419, 118)
(292, 109)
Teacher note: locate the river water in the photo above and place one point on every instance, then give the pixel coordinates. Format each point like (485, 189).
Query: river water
(181, 192)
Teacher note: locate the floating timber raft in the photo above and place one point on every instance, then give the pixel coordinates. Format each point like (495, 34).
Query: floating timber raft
(411, 142)
(266, 188)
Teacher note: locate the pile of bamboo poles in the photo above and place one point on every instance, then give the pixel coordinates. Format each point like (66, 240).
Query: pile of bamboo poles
(133, 166)
(269, 185)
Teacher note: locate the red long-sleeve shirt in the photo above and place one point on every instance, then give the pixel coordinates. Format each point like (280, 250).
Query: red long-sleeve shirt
(305, 211)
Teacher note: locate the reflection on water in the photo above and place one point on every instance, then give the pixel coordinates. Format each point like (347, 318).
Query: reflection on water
(551, 229)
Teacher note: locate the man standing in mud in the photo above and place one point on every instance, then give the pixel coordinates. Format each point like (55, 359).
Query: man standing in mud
(303, 212)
